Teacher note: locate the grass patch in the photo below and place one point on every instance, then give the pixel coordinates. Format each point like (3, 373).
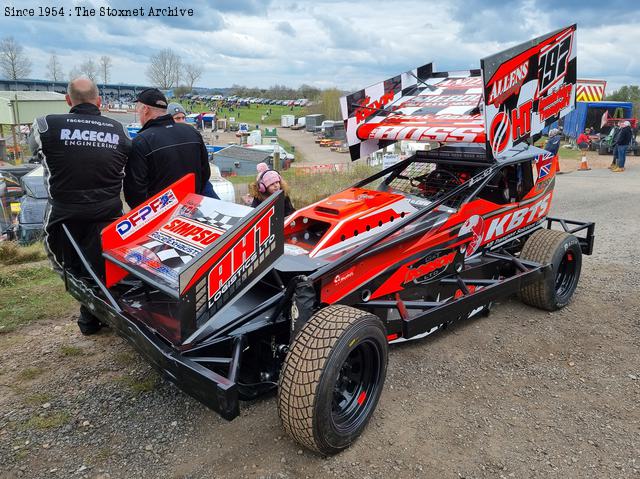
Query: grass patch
(30, 294)
(21, 454)
(71, 351)
(12, 253)
(253, 114)
(139, 386)
(241, 180)
(30, 373)
(50, 421)
(37, 399)
(102, 455)
(290, 148)
(569, 154)
(125, 358)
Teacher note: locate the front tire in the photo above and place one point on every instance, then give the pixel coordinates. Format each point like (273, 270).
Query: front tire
(332, 378)
(555, 289)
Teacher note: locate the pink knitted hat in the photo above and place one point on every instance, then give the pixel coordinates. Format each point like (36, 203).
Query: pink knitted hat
(268, 178)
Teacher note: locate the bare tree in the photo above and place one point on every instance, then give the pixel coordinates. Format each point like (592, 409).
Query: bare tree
(54, 69)
(89, 69)
(14, 63)
(74, 73)
(193, 73)
(164, 69)
(105, 68)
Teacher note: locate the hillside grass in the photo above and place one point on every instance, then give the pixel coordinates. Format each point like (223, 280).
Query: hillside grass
(252, 114)
(29, 289)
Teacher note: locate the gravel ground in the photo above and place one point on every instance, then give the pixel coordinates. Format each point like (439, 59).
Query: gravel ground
(522, 393)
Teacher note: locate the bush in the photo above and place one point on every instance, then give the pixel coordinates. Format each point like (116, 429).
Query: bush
(307, 188)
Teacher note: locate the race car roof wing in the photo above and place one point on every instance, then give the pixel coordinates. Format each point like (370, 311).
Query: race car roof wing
(418, 105)
(528, 86)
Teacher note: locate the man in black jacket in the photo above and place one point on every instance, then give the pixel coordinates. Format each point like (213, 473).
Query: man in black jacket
(163, 151)
(622, 142)
(83, 155)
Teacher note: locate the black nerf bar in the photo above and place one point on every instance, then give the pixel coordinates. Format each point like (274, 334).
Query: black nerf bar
(213, 390)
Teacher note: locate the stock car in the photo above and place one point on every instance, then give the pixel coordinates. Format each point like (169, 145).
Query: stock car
(231, 302)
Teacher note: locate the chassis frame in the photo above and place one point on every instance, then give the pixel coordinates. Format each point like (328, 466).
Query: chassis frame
(242, 359)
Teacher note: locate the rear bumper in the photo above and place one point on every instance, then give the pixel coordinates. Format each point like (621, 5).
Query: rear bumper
(213, 390)
(573, 227)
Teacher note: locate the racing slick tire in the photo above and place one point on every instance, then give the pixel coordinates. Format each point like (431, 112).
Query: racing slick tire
(332, 378)
(555, 289)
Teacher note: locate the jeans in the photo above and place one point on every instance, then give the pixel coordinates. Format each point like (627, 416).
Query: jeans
(621, 155)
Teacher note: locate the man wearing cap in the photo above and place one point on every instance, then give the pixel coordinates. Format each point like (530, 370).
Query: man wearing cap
(83, 154)
(163, 151)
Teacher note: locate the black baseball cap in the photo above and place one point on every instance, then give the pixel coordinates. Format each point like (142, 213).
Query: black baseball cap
(152, 97)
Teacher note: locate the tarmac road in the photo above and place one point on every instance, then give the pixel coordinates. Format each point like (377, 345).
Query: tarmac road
(522, 393)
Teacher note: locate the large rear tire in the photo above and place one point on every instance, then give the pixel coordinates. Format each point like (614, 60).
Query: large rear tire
(555, 289)
(332, 378)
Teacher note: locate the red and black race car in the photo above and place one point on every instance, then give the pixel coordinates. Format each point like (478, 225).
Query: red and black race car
(230, 302)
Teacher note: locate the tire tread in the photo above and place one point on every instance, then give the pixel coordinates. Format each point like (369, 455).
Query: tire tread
(303, 367)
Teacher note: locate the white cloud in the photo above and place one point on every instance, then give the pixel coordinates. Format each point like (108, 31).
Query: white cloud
(326, 43)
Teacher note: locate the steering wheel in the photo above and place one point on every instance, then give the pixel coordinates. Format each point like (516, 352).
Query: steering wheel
(435, 182)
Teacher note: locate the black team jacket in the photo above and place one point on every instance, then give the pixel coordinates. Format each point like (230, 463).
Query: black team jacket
(162, 153)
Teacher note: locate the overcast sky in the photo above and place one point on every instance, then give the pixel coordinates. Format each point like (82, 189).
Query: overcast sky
(347, 44)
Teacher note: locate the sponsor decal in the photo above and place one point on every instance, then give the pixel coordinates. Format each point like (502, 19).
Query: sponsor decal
(144, 214)
(244, 256)
(340, 277)
(440, 100)
(475, 226)
(368, 107)
(510, 127)
(141, 259)
(174, 243)
(435, 133)
(551, 104)
(514, 219)
(194, 233)
(509, 84)
(553, 63)
(429, 268)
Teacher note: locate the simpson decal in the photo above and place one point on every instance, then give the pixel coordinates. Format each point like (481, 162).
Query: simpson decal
(194, 233)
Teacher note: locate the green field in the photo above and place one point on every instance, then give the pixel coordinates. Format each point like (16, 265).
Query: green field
(253, 114)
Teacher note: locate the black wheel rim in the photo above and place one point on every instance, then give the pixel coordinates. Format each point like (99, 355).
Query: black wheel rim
(566, 276)
(356, 388)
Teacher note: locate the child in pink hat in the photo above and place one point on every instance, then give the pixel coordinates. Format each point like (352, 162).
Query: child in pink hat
(268, 182)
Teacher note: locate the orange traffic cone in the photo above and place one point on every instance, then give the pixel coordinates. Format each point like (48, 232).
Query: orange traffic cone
(584, 166)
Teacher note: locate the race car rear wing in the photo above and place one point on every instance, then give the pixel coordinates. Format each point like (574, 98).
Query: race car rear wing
(514, 95)
(202, 253)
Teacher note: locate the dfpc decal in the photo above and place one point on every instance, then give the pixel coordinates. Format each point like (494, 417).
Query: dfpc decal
(144, 214)
(244, 256)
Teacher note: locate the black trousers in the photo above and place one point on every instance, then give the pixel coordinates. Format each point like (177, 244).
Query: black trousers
(85, 222)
